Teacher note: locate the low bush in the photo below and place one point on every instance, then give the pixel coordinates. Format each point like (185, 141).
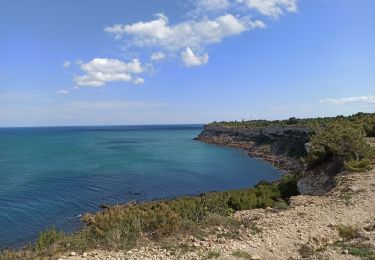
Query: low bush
(306, 251)
(241, 254)
(47, 239)
(288, 186)
(121, 227)
(358, 166)
(347, 232)
(212, 255)
(361, 250)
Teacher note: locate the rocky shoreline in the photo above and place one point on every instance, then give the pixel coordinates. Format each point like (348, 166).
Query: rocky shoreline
(274, 145)
(282, 147)
(285, 164)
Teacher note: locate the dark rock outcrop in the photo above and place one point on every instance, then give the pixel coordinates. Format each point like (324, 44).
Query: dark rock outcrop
(286, 141)
(321, 178)
(280, 146)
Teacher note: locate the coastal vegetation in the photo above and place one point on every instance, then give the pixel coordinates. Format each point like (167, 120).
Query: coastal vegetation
(366, 121)
(340, 138)
(343, 139)
(124, 226)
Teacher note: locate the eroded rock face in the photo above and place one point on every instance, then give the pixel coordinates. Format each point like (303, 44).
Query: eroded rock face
(280, 146)
(320, 179)
(315, 183)
(287, 141)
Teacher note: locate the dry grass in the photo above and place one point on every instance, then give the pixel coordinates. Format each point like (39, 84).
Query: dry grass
(348, 232)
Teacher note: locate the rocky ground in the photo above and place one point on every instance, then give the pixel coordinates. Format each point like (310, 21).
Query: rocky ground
(337, 225)
(279, 161)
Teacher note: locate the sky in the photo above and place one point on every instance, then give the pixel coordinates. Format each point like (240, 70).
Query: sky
(115, 62)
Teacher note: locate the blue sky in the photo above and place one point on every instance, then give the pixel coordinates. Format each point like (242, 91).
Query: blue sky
(162, 61)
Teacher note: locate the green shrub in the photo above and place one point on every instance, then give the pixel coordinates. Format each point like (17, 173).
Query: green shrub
(243, 200)
(360, 250)
(116, 227)
(25, 254)
(48, 238)
(121, 227)
(342, 141)
(212, 255)
(306, 251)
(288, 186)
(292, 121)
(160, 220)
(358, 166)
(281, 205)
(241, 254)
(347, 232)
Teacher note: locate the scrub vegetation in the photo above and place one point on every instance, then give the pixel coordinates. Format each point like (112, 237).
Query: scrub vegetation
(345, 139)
(124, 226)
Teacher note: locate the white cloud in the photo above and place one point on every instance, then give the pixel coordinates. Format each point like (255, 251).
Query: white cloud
(158, 56)
(157, 29)
(196, 35)
(159, 33)
(257, 24)
(138, 81)
(190, 59)
(100, 71)
(62, 92)
(203, 6)
(272, 8)
(362, 100)
(66, 64)
(210, 22)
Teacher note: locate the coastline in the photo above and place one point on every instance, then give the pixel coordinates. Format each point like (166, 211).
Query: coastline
(22, 244)
(269, 221)
(286, 165)
(230, 138)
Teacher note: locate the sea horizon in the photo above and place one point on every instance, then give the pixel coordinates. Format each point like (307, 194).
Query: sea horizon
(107, 125)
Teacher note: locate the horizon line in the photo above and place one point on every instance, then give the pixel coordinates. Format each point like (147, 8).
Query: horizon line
(110, 125)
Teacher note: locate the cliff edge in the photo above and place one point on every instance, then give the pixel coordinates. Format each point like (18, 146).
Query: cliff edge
(281, 146)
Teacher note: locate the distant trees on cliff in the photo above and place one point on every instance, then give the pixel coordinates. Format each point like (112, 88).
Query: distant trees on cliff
(342, 138)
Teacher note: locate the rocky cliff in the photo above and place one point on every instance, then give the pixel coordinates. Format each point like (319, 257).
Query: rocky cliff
(287, 141)
(280, 146)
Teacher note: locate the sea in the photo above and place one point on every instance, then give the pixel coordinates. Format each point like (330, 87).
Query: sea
(50, 176)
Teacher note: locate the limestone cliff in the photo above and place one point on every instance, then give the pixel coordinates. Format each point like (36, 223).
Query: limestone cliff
(282, 147)
(287, 141)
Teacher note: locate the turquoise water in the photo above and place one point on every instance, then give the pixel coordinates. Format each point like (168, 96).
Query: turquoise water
(49, 176)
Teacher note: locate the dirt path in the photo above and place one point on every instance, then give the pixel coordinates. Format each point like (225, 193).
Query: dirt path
(307, 229)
